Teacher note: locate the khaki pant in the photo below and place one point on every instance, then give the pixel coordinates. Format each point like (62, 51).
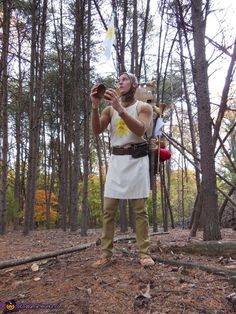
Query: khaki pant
(142, 238)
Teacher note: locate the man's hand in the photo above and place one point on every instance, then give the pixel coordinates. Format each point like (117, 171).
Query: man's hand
(112, 98)
(93, 96)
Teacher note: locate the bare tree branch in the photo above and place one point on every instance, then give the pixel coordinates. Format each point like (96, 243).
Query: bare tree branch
(224, 97)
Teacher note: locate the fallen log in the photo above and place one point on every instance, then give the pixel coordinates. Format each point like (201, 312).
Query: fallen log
(209, 269)
(209, 248)
(41, 256)
(46, 255)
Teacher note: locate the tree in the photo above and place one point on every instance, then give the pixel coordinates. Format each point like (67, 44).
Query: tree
(7, 7)
(35, 105)
(86, 44)
(208, 185)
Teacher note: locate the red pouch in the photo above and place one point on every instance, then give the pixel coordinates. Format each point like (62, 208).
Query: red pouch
(165, 154)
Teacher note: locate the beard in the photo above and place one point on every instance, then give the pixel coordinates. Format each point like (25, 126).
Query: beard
(129, 96)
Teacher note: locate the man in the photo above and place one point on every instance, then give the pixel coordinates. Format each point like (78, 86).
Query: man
(128, 176)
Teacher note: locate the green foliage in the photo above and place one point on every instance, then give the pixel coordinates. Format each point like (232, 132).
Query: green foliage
(175, 197)
(12, 211)
(170, 89)
(11, 205)
(94, 201)
(189, 192)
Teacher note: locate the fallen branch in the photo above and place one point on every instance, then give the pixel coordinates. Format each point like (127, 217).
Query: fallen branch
(29, 259)
(210, 248)
(126, 238)
(213, 270)
(46, 255)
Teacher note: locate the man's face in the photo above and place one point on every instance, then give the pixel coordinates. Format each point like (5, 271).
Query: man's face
(124, 84)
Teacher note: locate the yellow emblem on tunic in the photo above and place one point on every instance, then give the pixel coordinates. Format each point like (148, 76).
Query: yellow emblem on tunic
(121, 128)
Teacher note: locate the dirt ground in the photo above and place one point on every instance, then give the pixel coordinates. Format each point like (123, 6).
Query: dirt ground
(68, 284)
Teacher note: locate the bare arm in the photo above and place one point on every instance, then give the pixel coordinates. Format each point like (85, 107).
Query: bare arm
(100, 122)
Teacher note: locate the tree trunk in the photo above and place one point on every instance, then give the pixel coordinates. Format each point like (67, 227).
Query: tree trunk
(190, 115)
(77, 102)
(134, 54)
(86, 79)
(209, 195)
(7, 7)
(62, 128)
(122, 48)
(18, 122)
(36, 100)
(144, 39)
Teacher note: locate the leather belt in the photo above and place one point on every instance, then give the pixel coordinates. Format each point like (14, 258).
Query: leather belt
(122, 150)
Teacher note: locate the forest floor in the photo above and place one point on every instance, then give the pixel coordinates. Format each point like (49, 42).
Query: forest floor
(69, 285)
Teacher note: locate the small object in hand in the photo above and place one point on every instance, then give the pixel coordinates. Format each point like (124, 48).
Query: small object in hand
(100, 91)
(107, 96)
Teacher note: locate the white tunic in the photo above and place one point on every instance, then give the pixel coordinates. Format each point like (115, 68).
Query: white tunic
(127, 177)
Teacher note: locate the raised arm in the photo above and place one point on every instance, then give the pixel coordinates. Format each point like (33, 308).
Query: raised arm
(99, 122)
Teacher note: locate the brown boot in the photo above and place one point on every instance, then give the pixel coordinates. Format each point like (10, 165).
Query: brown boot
(101, 262)
(146, 260)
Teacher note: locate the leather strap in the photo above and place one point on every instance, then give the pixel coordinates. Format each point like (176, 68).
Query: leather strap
(122, 151)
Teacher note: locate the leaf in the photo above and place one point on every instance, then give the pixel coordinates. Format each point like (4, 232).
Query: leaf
(35, 267)
(146, 294)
